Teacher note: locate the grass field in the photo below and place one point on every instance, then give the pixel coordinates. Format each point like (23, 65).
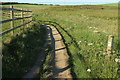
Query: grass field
(79, 24)
(112, 4)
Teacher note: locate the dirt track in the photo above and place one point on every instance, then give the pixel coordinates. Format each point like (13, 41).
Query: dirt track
(60, 67)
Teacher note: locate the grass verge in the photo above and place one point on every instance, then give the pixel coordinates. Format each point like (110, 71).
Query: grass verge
(20, 53)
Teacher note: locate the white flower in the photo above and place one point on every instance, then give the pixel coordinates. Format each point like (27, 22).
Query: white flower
(74, 24)
(90, 44)
(79, 42)
(117, 60)
(88, 70)
(90, 27)
(104, 53)
(96, 31)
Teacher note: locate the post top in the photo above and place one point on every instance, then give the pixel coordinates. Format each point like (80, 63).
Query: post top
(111, 36)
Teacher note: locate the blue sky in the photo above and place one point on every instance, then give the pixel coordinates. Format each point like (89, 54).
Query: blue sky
(35, 1)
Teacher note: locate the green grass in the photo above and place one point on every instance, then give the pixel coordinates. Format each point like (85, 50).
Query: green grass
(46, 68)
(76, 22)
(20, 53)
(111, 4)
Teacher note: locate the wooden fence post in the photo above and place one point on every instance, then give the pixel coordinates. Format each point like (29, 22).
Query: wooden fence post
(27, 18)
(22, 20)
(12, 22)
(110, 45)
(31, 17)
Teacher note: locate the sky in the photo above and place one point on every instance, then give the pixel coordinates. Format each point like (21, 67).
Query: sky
(36, 1)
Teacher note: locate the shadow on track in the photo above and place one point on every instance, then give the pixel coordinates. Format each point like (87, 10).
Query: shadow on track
(70, 60)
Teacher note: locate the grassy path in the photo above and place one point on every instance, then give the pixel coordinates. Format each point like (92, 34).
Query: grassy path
(60, 67)
(35, 70)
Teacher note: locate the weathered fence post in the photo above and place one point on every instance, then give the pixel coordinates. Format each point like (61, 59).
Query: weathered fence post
(12, 22)
(27, 18)
(110, 45)
(31, 17)
(22, 20)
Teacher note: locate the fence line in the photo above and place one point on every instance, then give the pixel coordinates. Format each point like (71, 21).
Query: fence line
(5, 32)
(8, 20)
(3, 8)
(12, 15)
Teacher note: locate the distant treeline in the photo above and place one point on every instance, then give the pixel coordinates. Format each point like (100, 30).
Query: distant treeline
(8, 3)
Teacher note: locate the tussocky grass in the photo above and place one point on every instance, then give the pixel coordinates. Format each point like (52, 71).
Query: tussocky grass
(20, 53)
